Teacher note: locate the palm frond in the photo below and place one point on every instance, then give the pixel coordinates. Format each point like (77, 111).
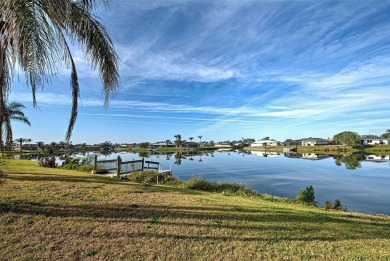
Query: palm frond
(21, 119)
(99, 48)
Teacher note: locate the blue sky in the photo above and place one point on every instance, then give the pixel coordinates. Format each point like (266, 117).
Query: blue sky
(226, 70)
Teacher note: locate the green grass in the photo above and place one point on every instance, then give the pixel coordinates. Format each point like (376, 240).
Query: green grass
(54, 214)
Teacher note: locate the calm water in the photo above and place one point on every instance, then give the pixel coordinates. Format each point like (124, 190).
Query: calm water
(362, 183)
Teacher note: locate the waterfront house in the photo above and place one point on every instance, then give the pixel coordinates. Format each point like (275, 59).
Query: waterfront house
(191, 145)
(290, 142)
(315, 142)
(161, 145)
(373, 140)
(262, 143)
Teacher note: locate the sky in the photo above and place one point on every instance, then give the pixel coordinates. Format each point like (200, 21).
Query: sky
(225, 70)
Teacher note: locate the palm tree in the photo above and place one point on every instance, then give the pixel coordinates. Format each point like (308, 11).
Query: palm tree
(35, 35)
(20, 140)
(200, 139)
(12, 112)
(178, 140)
(40, 144)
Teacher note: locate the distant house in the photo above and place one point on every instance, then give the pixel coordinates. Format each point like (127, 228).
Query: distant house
(290, 142)
(191, 145)
(315, 142)
(26, 147)
(262, 143)
(372, 140)
(161, 145)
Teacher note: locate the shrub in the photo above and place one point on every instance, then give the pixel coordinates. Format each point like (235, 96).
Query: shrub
(336, 205)
(82, 168)
(306, 196)
(83, 165)
(226, 188)
(151, 176)
(328, 205)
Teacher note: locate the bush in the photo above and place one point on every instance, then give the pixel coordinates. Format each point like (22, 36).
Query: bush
(306, 196)
(82, 168)
(151, 176)
(336, 205)
(328, 205)
(83, 165)
(226, 188)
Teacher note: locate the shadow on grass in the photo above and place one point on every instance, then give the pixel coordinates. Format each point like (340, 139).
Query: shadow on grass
(276, 224)
(97, 179)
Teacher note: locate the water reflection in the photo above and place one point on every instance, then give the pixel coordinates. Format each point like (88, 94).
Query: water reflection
(350, 161)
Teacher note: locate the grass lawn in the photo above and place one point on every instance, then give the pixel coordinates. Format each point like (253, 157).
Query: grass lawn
(59, 214)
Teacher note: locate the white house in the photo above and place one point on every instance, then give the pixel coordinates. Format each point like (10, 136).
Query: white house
(261, 143)
(314, 142)
(372, 140)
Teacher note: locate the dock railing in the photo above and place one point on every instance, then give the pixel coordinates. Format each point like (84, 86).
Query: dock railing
(122, 167)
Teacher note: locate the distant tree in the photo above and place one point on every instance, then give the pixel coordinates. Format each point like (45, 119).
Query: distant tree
(12, 112)
(266, 138)
(21, 141)
(62, 144)
(386, 135)
(191, 138)
(144, 145)
(53, 144)
(40, 144)
(200, 139)
(348, 138)
(167, 142)
(178, 140)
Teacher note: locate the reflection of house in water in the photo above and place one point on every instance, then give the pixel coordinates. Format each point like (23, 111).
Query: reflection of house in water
(376, 158)
(308, 156)
(293, 155)
(313, 156)
(265, 154)
(224, 146)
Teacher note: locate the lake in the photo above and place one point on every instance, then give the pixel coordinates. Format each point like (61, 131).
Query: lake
(361, 182)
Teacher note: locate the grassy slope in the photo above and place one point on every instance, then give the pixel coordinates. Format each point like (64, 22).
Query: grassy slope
(57, 214)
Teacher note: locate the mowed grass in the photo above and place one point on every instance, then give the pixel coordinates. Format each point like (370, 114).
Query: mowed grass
(66, 215)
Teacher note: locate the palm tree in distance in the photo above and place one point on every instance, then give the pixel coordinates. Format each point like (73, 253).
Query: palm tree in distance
(12, 112)
(35, 35)
(178, 140)
(20, 140)
(40, 144)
